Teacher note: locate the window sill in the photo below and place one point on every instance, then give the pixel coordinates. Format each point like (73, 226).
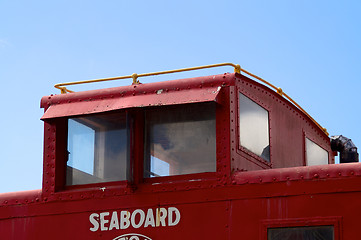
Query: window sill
(179, 182)
(254, 158)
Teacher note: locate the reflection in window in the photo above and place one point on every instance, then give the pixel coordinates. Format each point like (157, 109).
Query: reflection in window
(180, 140)
(253, 127)
(301, 233)
(315, 155)
(159, 167)
(97, 149)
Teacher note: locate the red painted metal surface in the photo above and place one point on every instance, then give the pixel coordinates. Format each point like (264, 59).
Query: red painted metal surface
(142, 95)
(241, 200)
(162, 97)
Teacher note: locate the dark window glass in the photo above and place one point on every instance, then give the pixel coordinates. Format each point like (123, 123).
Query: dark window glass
(180, 140)
(97, 149)
(301, 233)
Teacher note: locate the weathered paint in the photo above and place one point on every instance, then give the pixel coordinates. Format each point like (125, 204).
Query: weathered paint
(240, 200)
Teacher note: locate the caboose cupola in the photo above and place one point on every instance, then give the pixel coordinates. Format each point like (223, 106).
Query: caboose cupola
(214, 157)
(198, 129)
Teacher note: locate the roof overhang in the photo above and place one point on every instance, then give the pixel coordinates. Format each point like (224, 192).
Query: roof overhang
(142, 95)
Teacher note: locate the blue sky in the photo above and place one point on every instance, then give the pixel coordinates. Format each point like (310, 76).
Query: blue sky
(311, 49)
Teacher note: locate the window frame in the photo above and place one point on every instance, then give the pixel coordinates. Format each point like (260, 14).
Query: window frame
(124, 184)
(99, 135)
(54, 184)
(248, 154)
(175, 108)
(311, 138)
(335, 221)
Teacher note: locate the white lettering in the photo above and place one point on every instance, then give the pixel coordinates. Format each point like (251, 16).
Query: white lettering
(161, 215)
(103, 221)
(92, 219)
(114, 222)
(170, 216)
(124, 219)
(134, 238)
(141, 220)
(149, 220)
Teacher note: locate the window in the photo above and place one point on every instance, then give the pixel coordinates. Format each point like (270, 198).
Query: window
(97, 149)
(180, 140)
(301, 233)
(253, 127)
(315, 155)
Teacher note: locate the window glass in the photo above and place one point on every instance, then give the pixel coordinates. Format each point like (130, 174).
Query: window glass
(315, 155)
(301, 233)
(180, 140)
(253, 127)
(97, 149)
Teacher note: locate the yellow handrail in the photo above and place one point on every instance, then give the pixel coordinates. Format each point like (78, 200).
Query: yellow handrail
(135, 76)
(280, 92)
(237, 69)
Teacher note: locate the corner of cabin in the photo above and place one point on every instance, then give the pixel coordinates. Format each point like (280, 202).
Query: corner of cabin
(273, 133)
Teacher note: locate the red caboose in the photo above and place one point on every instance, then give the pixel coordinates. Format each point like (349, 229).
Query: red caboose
(215, 157)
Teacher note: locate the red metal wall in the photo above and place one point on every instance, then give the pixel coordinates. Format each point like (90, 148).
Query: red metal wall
(232, 203)
(288, 129)
(323, 196)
